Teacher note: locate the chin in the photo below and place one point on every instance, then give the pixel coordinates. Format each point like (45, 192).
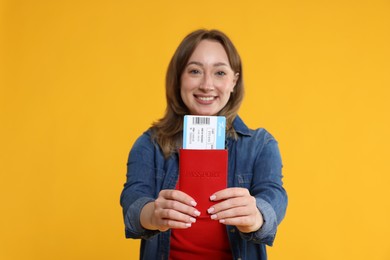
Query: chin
(206, 114)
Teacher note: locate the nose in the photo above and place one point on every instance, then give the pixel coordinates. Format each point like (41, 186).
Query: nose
(207, 83)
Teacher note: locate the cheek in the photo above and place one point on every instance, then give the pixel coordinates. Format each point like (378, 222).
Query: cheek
(227, 87)
(185, 89)
(183, 92)
(188, 88)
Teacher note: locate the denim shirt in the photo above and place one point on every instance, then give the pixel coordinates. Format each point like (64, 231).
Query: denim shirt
(254, 163)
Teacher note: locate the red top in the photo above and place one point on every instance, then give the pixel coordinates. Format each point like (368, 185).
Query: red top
(206, 239)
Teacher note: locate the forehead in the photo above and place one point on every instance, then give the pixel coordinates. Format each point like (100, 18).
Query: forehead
(209, 50)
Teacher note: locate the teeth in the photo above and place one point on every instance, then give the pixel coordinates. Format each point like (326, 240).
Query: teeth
(206, 98)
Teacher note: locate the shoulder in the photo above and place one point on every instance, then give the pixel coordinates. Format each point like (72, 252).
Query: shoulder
(261, 134)
(145, 139)
(251, 135)
(253, 146)
(146, 150)
(144, 145)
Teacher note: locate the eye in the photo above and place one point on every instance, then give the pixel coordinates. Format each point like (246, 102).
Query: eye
(194, 71)
(221, 73)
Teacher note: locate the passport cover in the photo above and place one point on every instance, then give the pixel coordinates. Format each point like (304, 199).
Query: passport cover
(202, 173)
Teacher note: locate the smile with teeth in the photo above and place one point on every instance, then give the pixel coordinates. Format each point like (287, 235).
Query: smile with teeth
(206, 98)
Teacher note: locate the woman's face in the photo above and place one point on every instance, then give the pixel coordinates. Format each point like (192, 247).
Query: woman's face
(207, 80)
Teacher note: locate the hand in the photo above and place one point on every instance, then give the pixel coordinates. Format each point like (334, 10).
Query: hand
(172, 209)
(237, 208)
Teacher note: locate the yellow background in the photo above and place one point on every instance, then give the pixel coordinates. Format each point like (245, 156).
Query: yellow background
(81, 80)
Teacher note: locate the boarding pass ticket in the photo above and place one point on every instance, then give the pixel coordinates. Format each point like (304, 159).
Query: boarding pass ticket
(204, 132)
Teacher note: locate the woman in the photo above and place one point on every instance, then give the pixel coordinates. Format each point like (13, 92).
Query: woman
(204, 77)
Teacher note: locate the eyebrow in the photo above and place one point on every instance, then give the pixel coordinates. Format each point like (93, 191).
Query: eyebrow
(201, 64)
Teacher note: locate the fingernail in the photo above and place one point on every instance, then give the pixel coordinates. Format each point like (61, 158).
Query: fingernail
(221, 221)
(188, 224)
(193, 203)
(193, 220)
(197, 213)
(212, 197)
(210, 210)
(213, 216)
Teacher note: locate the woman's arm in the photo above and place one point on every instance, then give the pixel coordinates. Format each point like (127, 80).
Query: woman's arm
(146, 209)
(267, 188)
(172, 209)
(257, 211)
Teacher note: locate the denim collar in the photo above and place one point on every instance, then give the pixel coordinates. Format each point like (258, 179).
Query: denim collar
(241, 127)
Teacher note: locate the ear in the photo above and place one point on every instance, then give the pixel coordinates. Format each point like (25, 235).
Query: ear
(236, 77)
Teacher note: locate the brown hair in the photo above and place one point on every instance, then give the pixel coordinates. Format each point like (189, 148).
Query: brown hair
(167, 132)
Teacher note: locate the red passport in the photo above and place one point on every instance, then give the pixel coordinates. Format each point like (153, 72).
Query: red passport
(202, 173)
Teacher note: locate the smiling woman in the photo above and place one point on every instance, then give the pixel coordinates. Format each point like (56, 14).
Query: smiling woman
(81, 80)
(204, 78)
(208, 80)
(199, 64)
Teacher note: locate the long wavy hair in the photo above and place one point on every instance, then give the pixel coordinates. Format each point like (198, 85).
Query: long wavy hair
(168, 131)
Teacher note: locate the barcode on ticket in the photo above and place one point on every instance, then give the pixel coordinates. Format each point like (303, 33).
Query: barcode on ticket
(197, 120)
(204, 132)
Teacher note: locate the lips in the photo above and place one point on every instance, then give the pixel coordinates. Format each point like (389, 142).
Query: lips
(205, 99)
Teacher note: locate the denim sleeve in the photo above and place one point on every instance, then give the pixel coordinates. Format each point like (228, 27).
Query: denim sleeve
(139, 188)
(267, 188)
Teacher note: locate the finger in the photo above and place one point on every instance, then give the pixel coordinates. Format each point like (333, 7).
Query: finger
(181, 207)
(245, 224)
(243, 218)
(178, 196)
(173, 215)
(248, 201)
(229, 193)
(232, 213)
(242, 221)
(169, 223)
